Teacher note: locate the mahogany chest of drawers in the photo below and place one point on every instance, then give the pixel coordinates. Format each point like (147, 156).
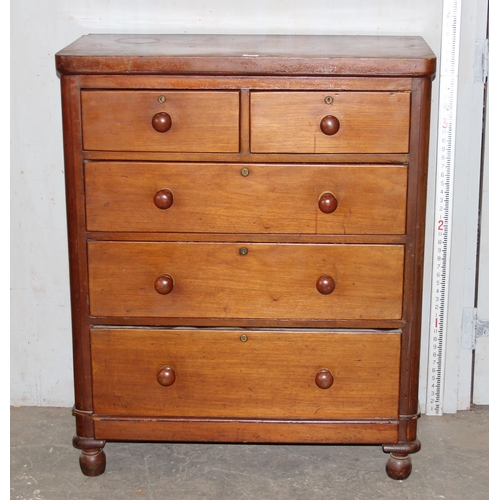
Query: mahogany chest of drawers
(246, 222)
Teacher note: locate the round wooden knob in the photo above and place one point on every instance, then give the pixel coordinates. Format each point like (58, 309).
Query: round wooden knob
(164, 284)
(163, 199)
(324, 378)
(161, 122)
(166, 376)
(327, 203)
(325, 284)
(329, 125)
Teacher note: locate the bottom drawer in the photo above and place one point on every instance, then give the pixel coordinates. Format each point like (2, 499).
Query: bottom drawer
(245, 373)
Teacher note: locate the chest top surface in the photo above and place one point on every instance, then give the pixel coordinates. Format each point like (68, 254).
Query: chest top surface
(291, 55)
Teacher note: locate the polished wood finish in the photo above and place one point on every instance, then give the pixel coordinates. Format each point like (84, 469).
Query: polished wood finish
(92, 458)
(325, 284)
(164, 284)
(329, 125)
(221, 198)
(218, 375)
(293, 122)
(328, 203)
(166, 376)
(131, 121)
(162, 122)
(163, 199)
(270, 281)
(271, 186)
(324, 378)
(399, 464)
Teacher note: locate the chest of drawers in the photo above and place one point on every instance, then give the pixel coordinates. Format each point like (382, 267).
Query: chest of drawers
(245, 225)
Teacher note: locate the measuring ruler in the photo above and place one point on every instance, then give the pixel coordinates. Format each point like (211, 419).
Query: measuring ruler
(450, 40)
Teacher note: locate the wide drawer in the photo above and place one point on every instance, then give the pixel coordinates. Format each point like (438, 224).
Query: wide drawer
(197, 121)
(301, 122)
(183, 197)
(238, 280)
(240, 373)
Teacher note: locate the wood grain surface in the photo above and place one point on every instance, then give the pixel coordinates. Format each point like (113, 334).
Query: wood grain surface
(270, 374)
(370, 122)
(269, 281)
(202, 121)
(288, 55)
(217, 198)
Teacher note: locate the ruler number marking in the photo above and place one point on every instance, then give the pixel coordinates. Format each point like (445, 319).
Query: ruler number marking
(442, 213)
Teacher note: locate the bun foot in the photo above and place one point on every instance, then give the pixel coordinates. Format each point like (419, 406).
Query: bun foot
(92, 458)
(399, 463)
(398, 466)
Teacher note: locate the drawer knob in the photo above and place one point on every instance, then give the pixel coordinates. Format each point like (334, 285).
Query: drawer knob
(164, 284)
(327, 203)
(329, 125)
(166, 376)
(324, 378)
(325, 284)
(163, 199)
(161, 122)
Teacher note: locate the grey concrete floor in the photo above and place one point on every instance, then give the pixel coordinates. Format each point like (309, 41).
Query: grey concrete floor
(453, 464)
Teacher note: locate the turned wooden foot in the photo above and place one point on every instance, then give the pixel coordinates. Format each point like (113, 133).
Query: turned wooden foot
(398, 464)
(92, 458)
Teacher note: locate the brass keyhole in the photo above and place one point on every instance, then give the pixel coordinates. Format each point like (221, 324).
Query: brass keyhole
(162, 99)
(245, 172)
(329, 99)
(243, 338)
(243, 250)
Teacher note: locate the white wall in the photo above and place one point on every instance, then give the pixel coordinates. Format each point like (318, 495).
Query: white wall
(41, 369)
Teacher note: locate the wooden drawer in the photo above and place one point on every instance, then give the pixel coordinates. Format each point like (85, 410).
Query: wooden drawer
(370, 199)
(368, 122)
(270, 375)
(201, 121)
(230, 280)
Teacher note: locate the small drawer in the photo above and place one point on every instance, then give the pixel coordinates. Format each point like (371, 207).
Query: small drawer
(162, 121)
(246, 199)
(238, 280)
(249, 374)
(335, 122)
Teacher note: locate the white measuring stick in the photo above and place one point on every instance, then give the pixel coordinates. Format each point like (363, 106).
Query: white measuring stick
(450, 40)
